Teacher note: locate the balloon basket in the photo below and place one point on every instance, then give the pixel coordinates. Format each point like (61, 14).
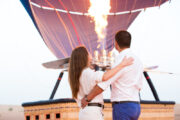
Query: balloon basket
(67, 109)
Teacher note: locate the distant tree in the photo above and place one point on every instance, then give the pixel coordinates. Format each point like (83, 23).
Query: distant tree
(10, 109)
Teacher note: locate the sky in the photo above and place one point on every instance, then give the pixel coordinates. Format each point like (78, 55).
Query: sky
(155, 39)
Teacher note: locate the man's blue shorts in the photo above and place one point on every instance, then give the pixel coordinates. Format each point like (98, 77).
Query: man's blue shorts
(126, 111)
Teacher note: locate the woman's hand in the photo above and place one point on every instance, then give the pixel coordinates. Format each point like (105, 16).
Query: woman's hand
(126, 61)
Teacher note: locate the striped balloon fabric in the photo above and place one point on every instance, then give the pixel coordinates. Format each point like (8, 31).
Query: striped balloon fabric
(65, 24)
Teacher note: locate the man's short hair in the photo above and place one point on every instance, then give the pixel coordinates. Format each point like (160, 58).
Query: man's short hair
(123, 39)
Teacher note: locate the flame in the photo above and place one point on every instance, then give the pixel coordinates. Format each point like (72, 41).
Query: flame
(99, 10)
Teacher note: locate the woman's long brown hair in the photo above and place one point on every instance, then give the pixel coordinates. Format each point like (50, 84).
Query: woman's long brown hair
(78, 61)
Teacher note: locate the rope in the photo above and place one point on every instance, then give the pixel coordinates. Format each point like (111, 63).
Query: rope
(81, 13)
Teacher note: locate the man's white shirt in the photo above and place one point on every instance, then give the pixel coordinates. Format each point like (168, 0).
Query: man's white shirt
(127, 83)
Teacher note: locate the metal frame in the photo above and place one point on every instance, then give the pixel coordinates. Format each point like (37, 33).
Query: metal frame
(151, 86)
(56, 85)
(145, 74)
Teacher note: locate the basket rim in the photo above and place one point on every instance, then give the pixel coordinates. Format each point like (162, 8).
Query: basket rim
(69, 100)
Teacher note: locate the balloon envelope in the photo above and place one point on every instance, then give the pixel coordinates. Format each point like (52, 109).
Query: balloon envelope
(64, 24)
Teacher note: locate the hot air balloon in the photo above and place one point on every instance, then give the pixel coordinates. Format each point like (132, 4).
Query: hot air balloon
(66, 24)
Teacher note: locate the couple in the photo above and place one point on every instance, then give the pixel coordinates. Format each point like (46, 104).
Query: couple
(125, 78)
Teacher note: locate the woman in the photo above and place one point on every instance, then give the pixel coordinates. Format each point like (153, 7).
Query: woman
(82, 79)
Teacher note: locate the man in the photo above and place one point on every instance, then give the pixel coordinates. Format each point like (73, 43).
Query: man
(126, 84)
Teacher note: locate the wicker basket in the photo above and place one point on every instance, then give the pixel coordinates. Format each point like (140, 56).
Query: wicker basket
(67, 109)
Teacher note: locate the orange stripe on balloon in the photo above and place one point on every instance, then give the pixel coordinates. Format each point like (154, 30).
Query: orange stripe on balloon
(134, 5)
(159, 3)
(44, 36)
(61, 20)
(155, 2)
(74, 27)
(46, 32)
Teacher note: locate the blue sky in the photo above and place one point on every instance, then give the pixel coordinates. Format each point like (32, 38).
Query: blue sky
(155, 33)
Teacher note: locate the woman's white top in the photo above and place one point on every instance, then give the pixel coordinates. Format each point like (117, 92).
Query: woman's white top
(89, 78)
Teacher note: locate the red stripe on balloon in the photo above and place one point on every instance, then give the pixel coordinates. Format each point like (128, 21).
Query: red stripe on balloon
(74, 27)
